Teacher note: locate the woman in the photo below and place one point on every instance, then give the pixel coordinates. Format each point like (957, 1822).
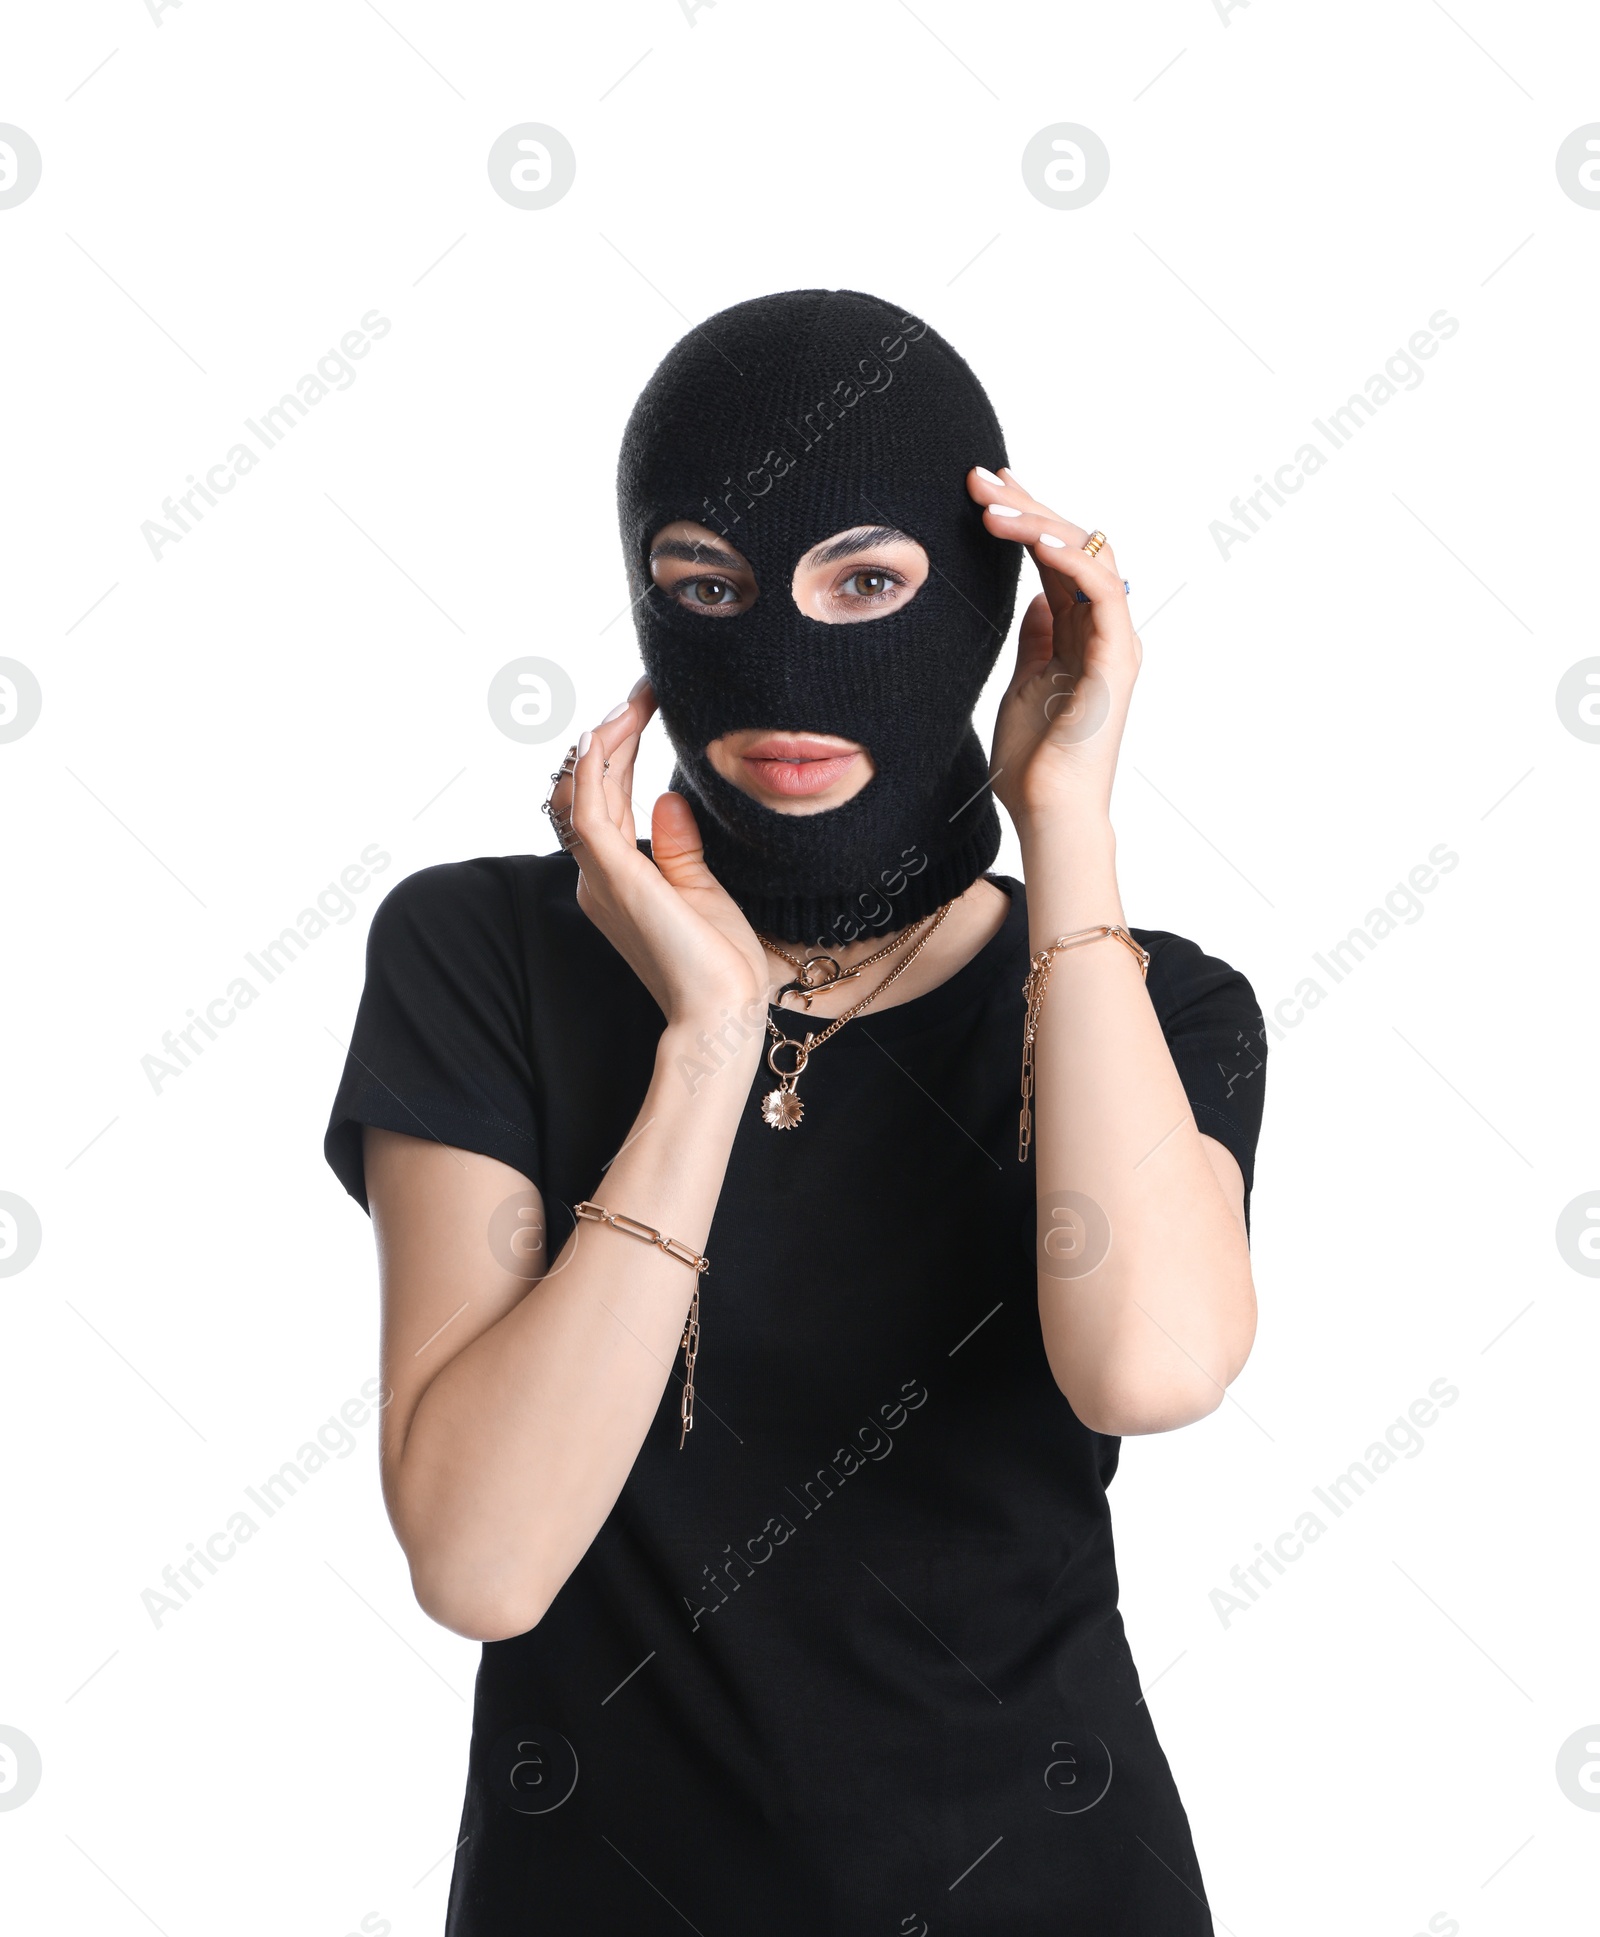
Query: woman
(815, 1631)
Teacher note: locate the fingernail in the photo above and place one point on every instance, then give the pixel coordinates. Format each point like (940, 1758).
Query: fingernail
(638, 685)
(989, 476)
(1004, 511)
(1049, 538)
(583, 742)
(616, 712)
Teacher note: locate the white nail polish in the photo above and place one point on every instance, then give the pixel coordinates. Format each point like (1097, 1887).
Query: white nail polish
(616, 712)
(583, 742)
(989, 476)
(1049, 538)
(638, 685)
(1005, 511)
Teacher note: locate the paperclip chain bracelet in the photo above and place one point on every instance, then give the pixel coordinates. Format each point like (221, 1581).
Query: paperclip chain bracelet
(689, 1344)
(1033, 994)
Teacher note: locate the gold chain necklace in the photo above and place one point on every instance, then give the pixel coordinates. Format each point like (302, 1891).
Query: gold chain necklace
(807, 984)
(781, 1108)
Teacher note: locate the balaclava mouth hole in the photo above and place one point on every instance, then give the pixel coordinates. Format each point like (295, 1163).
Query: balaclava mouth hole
(778, 423)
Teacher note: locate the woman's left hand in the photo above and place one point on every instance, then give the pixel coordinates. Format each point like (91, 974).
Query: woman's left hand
(1060, 724)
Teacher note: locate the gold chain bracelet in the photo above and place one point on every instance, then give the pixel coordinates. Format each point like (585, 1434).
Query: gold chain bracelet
(1033, 994)
(689, 1344)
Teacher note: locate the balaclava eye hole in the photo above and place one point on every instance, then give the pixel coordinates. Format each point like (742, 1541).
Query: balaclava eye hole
(700, 559)
(779, 423)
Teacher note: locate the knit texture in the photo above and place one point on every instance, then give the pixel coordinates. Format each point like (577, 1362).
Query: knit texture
(777, 424)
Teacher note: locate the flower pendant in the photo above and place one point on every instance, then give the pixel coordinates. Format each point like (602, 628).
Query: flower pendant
(782, 1109)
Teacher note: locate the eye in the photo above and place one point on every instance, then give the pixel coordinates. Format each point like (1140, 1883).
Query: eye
(871, 583)
(706, 593)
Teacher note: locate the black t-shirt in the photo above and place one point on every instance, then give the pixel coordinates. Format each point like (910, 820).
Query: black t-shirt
(850, 1662)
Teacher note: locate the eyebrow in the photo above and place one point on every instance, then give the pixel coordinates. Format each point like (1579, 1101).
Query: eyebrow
(852, 542)
(695, 554)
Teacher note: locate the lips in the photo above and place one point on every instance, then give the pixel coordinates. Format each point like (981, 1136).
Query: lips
(797, 763)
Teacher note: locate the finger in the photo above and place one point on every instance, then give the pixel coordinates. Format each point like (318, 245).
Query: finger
(1026, 527)
(1018, 494)
(1011, 499)
(1107, 557)
(617, 737)
(1035, 640)
(596, 835)
(623, 724)
(640, 706)
(1093, 574)
(1066, 567)
(985, 486)
(1040, 649)
(1001, 496)
(558, 802)
(1072, 579)
(1009, 512)
(675, 844)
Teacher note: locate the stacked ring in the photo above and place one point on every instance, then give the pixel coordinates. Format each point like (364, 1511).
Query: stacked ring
(1095, 542)
(561, 819)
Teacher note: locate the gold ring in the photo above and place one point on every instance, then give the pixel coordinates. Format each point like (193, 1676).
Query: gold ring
(1094, 541)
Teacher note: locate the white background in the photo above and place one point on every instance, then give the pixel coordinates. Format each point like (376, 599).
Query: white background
(1293, 193)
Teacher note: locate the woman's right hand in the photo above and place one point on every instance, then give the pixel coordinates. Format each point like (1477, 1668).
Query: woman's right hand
(668, 916)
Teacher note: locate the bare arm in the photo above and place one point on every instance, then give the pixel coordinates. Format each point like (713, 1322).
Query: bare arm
(518, 1413)
(1146, 1326)
(518, 1410)
(1151, 1335)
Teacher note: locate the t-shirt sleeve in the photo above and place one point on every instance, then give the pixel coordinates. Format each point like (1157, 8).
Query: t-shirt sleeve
(1214, 1030)
(440, 1044)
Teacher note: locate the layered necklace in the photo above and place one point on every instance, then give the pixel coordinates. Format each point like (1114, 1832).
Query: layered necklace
(782, 1108)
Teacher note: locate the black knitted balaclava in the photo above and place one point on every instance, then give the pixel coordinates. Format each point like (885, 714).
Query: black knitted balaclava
(778, 423)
